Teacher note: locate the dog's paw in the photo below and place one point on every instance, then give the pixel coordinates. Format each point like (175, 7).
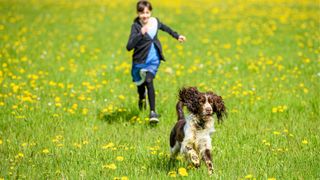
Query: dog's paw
(210, 171)
(195, 160)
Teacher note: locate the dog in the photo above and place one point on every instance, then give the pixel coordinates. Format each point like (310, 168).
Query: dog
(191, 135)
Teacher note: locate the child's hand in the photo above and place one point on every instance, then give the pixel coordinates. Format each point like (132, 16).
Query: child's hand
(182, 38)
(144, 29)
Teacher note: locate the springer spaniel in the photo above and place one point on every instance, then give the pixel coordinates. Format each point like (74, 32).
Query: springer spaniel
(191, 135)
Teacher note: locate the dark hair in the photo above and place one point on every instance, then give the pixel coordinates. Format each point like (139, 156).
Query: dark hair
(143, 4)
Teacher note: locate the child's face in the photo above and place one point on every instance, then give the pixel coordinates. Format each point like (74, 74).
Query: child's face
(144, 15)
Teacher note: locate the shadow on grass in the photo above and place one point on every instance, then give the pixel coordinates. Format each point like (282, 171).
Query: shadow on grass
(164, 164)
(119, 115)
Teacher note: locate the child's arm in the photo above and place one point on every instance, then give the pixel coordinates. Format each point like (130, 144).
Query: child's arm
(135, 37)
(167, 29)
(174, 34)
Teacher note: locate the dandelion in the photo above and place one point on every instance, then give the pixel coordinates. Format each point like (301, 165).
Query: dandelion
(77, 145)
(82, 49)
(272, 178)
(121, 97)
(19, 155)
(1, 141)
(45, 151)
(119, 158)
(306, 60)
(85, 111)
(82, 97)
(107, 146)
(111, 166)
(74, 106)
(153, 152)
(304, 141)
(183, 172)
(172, 174)
(227, 46)
(249, 176)
(274, 110)
(276, 133)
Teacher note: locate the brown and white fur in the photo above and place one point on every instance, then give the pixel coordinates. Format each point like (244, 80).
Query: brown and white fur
(191, 136)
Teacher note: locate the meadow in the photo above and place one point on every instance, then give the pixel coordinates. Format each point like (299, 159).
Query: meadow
(68, 107)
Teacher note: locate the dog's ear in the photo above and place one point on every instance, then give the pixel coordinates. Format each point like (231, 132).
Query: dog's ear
(218, 106)
(189, 96)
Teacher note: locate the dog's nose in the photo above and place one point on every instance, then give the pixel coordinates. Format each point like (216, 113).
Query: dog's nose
(208, 110)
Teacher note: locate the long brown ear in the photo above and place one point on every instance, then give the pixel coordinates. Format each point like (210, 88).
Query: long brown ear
(189, 96)
(218, 106)
(179, 109)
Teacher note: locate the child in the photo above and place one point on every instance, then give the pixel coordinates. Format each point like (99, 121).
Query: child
(147, 54)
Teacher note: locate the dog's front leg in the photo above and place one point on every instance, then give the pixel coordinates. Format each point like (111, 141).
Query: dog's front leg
(190, 154)
(206, 156)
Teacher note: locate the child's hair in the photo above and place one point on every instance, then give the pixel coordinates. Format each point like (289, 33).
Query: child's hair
(143, 4)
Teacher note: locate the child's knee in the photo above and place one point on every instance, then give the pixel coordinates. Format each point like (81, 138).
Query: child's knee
(149, 77)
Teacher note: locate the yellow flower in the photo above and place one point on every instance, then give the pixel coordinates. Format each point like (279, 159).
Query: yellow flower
(82, 49)
(172, 174)
(227, 46)
(58, 104)
(57, 99)
(45, 151)
(124, 178)
(304, 141)
(274, 109)
(1, 141)
(249, 176)
(183, 172)
(120, 158)
(20, 155)
(110, 166)
(85, 111)
(272, 178)
(276, 133)
(110, 145)
(81, 97)
(122, 97)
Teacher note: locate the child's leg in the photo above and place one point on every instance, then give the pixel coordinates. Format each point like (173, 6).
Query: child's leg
(151, 93)
(142, 91)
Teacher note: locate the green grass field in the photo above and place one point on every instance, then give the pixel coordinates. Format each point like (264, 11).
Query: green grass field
(68, 108)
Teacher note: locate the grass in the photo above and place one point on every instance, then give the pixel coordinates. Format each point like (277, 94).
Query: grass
(68, 108)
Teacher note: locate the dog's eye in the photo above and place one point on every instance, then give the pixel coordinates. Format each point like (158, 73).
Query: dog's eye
(202, 100)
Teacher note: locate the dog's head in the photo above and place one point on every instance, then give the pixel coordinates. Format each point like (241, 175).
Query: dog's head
(217, 105)
(202, 104)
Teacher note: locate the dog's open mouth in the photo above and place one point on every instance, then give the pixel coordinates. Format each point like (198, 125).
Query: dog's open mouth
(207, 114)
